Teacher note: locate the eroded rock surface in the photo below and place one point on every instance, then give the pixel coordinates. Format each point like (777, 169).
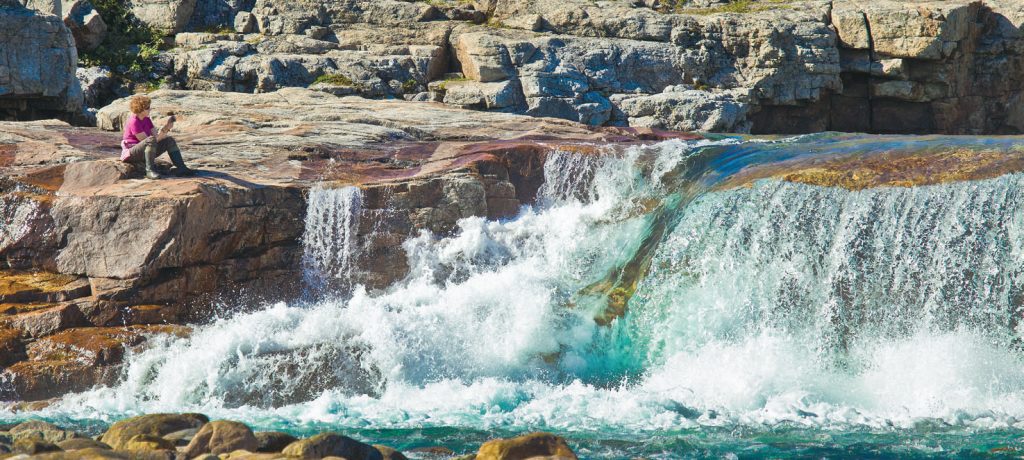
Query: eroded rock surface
(37, 65)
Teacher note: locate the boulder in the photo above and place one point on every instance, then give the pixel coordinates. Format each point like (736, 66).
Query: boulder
(82, 443)
(221, 437)
(332, 444)
(51, 7)
(245, 22)
(169, 16)
(484, 58)
(527, 446)
(33, 446)
(120, 433)
(181, 438)
(273, 441)
(475, 95)
(684, 110)
(43, 431)
(85, 23)
(146, 442)
(37, 77)
(94, 453)
(389, 453)
(98, 86)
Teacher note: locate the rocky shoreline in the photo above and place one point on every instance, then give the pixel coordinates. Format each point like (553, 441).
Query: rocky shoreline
(195, 436)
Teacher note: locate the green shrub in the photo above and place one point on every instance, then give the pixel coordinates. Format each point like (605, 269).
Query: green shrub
(734, 6)
(336, 79)
(124, 32)
(410, 86)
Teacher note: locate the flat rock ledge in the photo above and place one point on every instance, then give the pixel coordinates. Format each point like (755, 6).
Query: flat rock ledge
(195, 436)
(89, 246)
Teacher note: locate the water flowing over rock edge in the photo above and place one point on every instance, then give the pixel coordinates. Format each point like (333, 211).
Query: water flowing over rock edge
(777, 348)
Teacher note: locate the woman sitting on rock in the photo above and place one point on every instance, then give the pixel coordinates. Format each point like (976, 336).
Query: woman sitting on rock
(139, 144)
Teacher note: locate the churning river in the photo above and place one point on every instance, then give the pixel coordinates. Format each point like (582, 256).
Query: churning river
(649, 304)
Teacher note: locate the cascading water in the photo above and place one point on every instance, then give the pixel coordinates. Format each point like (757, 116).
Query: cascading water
(772, 317)
(329, 242)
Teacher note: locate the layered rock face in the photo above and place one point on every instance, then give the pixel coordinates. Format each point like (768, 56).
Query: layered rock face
(803, 66)
(37, 65)
(87, 244)
(951, 67)
(945, 66)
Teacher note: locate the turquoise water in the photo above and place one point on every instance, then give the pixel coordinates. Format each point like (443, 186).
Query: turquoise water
(775, 320)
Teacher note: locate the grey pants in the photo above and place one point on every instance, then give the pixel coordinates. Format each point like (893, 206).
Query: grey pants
(147, 151)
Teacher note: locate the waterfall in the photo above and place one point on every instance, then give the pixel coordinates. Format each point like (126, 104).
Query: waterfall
(330, 240)
(766, 305)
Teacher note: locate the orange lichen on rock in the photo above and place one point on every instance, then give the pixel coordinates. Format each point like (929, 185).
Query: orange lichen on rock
(890, 169)
(21, 286)
(95, 345)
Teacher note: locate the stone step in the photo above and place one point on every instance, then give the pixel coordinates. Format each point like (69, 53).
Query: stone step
(45, 321)
(24, 287)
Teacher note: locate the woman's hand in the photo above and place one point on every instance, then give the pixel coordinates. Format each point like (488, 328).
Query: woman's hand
(163, 131)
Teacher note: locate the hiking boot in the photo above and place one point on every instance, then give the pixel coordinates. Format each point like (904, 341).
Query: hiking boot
(182, 171)
(151, 174)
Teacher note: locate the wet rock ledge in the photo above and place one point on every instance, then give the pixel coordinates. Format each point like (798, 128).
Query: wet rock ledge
(194, 436)
(94, 259)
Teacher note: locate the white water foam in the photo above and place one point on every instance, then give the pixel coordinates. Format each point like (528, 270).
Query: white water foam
(781, 303)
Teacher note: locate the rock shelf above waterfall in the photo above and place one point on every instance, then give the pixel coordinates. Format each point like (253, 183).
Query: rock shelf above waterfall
(129, 251)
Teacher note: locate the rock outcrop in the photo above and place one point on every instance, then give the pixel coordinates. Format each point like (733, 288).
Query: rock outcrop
(37, 67)
(921, 67)
(90, 245)
(800, 66)
(86, 25)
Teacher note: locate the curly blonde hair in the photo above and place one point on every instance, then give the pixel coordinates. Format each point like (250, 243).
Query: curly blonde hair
(139, 104)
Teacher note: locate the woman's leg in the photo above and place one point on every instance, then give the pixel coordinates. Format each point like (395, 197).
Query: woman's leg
(171, 147)
(137, 154)
(152, 151)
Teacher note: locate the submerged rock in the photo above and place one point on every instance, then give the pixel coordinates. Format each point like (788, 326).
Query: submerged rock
(527, 446)
(121, 433)
(82, 443)
(221, 437)
(32, 446)
(146, 442)
(332, 444)
(389, 453)
(273, 441)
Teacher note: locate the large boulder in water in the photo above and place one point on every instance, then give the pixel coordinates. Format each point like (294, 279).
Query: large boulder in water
(221, 437)
(332, 445)
(527, 446)
(37, 67)
(120, 433)
(273, 441)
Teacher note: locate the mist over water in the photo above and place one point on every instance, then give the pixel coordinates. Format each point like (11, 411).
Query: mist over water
(767, 308)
